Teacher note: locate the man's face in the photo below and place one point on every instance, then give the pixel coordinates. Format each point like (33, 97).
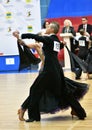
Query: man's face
(84, 21)
(48, 29)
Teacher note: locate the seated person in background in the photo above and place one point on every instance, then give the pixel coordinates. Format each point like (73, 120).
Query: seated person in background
(87, 27)
(68, 28)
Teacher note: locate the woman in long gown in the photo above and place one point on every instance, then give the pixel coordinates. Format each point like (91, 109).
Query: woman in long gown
(51, 82)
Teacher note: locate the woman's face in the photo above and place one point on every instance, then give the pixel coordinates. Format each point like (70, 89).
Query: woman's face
(66, 24)
(46, 24)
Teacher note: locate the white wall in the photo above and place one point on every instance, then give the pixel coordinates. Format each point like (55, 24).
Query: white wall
(22, 15)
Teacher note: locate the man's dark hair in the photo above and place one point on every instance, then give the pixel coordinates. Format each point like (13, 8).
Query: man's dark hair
(85, 18)
(82, 31)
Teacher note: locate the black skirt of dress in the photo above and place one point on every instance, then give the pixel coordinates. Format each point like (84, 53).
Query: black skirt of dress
(50, 104)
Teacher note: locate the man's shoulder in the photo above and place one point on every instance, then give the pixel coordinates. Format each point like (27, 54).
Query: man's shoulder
(80, 25)
(89, 25)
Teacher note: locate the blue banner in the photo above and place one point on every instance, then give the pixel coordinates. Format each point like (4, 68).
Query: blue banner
(69, 8)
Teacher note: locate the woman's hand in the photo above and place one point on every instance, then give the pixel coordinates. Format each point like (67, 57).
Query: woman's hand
(16, 34)
(64, 42)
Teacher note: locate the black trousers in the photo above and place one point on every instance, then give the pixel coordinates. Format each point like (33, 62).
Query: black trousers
(69, 97)
(33, 100)
(78, 72)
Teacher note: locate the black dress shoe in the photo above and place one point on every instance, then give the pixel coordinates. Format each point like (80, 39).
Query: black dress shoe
(31, 120)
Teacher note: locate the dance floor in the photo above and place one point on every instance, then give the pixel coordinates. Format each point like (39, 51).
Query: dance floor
(14, 88)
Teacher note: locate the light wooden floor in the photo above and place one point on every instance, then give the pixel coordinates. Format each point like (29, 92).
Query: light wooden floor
(13, 90)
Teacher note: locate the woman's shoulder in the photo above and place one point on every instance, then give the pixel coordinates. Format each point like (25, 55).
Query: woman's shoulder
(71, 27)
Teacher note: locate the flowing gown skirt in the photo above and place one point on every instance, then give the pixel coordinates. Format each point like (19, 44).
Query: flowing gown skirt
(49, 104)
(76, 62)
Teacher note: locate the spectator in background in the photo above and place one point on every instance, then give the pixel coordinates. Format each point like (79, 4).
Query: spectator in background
(68, 28)
(42, 32)
(44, 26)
(87, 27)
